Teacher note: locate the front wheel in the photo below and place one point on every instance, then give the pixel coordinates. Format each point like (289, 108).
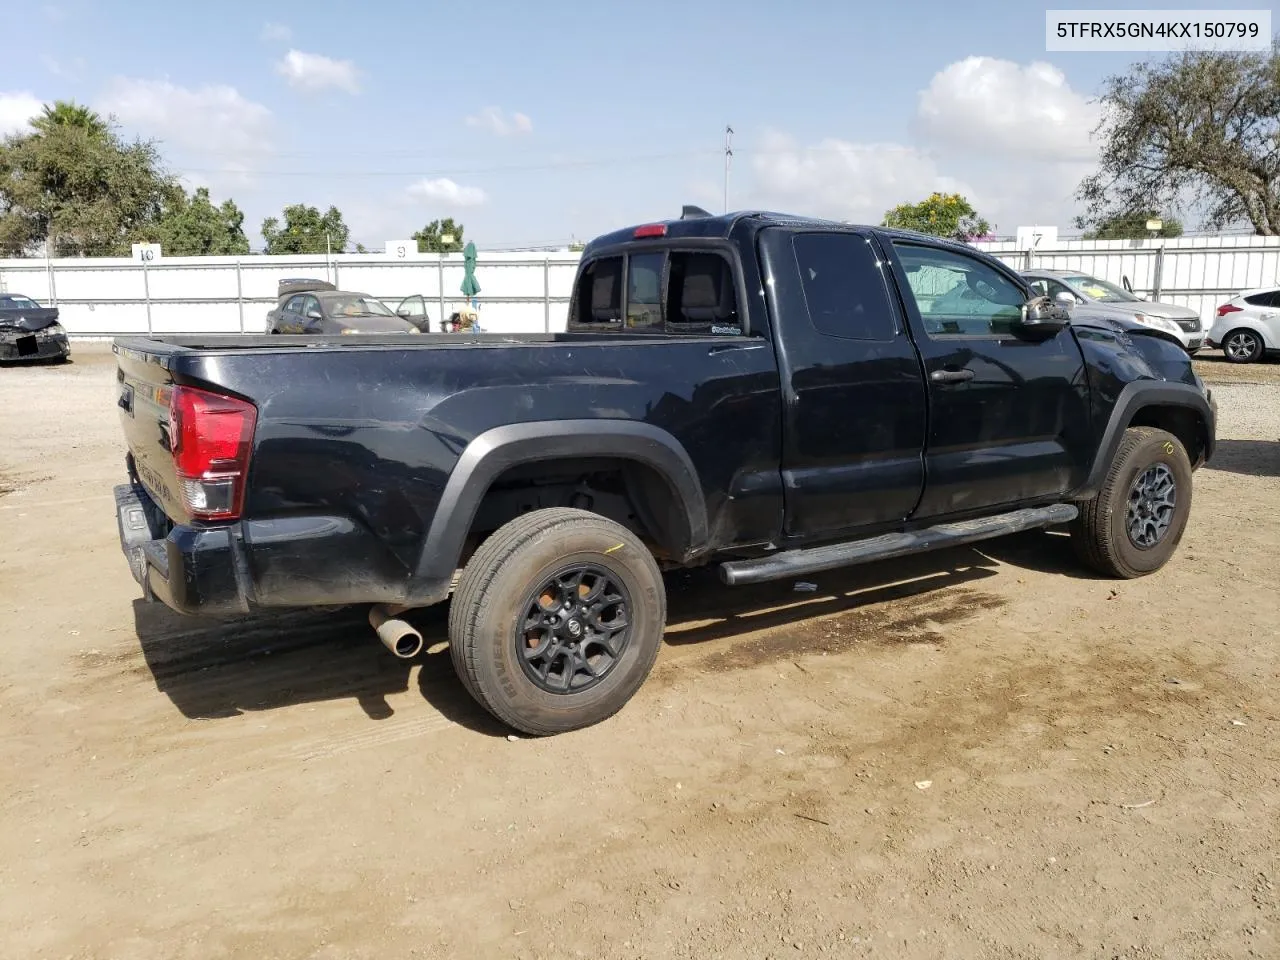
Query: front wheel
(1133, 525)
(1242, 346)
(557, 620)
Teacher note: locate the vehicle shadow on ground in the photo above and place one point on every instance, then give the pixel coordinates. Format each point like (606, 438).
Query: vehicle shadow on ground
(1253, 458)
(1044, 551)
(223, 668)
(701, 609)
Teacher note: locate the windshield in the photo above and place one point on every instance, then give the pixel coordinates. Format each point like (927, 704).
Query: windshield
(1100, 290)
(358, 305)
(14, 302)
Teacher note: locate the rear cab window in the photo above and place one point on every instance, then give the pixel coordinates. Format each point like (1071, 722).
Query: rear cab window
(668, 291)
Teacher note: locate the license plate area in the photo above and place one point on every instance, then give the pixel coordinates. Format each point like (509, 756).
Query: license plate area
(27, 346)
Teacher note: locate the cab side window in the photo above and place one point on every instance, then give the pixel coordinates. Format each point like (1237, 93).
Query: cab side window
(843, 286)
(958, 295)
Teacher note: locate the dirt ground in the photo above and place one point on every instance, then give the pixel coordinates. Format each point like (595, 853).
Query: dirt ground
(979, 753)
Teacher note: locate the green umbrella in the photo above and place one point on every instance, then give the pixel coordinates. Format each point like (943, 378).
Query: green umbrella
(469, 285)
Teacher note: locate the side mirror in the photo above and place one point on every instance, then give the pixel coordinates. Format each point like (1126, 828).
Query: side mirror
(1040, 314)
(1064, 298)
(314, 315)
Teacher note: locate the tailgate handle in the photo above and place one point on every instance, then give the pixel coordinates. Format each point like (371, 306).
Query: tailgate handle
(125, 401)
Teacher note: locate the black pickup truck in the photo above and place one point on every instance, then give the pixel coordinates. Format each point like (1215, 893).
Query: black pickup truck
(774, 395)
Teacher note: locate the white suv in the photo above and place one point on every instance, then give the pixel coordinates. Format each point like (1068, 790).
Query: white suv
(1248, 325)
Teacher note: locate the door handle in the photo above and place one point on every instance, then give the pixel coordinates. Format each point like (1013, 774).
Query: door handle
(951, 376)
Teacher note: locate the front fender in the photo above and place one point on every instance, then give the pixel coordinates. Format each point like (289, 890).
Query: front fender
(500, 448)
(1133, 399)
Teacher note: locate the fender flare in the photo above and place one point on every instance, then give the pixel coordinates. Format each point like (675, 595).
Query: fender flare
(500, 448)
(1134, 397)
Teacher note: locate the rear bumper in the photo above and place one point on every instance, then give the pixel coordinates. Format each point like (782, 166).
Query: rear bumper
(192, 571)
(235, 568)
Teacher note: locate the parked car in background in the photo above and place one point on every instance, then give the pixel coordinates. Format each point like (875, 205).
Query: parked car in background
(414, 309)
(1086, 295)
(286, 290)
(338, 311)
(1248, 325)
(29, 331)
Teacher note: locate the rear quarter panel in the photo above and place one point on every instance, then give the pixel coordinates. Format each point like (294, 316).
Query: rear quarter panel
(372, 434)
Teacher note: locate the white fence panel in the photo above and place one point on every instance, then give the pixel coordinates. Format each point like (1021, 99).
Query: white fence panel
(520, 292)
(529, 291)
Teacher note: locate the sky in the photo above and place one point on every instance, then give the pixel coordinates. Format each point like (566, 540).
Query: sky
(541, 123)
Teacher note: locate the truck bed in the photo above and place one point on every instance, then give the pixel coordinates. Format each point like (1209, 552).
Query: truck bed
(234, 343)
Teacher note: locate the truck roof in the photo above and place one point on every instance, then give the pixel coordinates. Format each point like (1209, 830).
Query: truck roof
(697, 223)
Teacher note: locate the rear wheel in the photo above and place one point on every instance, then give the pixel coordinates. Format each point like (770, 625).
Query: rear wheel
(557, 620)
(1242, 346)
(1132, 527)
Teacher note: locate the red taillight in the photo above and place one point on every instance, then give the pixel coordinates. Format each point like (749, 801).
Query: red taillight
(1229, 308)
(211, 437)
(651, 230)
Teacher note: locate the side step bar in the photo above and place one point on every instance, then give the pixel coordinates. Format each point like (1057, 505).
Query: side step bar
(790, 563)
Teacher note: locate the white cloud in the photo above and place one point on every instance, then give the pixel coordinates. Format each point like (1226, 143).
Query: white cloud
(315, 72)
(996, 105)
(840, 180)
(446, 193)
(16, 112)
(496, 122)
(1014, 139)
(227, 132)
(276, 32)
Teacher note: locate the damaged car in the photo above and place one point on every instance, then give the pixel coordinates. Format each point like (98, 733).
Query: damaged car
(29, 331)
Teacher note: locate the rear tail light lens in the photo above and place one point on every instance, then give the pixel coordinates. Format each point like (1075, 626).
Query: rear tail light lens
(211, 437)
(1229, 308)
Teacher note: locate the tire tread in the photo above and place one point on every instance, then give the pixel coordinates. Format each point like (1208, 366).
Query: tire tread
(1092, 535)
(473, 598)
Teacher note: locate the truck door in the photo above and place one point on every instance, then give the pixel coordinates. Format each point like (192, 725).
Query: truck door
(1008, 411)
(852, 385)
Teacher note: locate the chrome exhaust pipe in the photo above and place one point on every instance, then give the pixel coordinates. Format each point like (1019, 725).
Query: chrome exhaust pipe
(396, 635)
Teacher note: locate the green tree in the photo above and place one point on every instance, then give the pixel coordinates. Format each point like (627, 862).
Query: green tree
(429, 237)
(1203, 126)
(75, 184)
(1133, 226)
(306, 230)
(191, 226)
(941, 215)
(68, 113)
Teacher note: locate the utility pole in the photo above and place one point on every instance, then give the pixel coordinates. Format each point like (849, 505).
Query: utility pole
(728, 159)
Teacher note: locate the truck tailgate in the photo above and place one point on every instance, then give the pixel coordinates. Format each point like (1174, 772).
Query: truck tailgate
(145, 387)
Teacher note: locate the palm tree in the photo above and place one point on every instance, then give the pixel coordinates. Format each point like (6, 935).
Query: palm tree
(68, 113)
